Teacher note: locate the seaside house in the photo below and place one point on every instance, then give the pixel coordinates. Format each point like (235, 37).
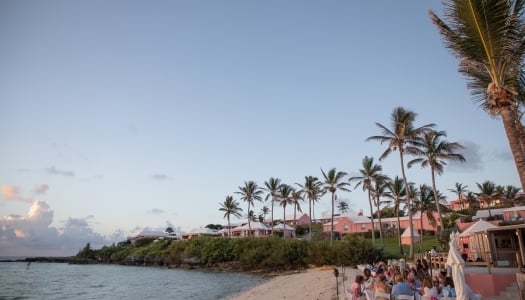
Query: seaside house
(287, 230)
(155, 234)
(258, 229)
(202, 231)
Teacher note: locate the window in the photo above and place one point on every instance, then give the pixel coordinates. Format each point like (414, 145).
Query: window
(345, 228)
(363, 227)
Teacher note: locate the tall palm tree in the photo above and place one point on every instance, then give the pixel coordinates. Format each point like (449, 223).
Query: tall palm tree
(332, 183)
(379, 190)
(295, 199)
(230, 207)
(250, 192)
(312, 188)
(512, 195)
(342, 206)
(424, 204)
(367, 175)
(471, 199)
(402, 138)
(487, 37)
(398, 195)
(460, 189)
(285, 198)
(271, 186)
(487, 193)
(434, 152)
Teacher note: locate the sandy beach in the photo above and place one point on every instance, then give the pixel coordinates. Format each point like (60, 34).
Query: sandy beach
(318, 283)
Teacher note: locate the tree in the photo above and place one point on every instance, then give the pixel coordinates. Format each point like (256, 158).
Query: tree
(487, 193)
(230, 207)
(250, 192)
(312, 188)
(285, 192)
(459, 189)
(424, 204)
(398, 195)
(342, 207)
(509, 194)
(487, 37)
(434, 152)
(332, 183)
(264, 211)
(168, 230)
(295, 199)
(271, 186)
(402, 138)
(379, 190)
(367, 175)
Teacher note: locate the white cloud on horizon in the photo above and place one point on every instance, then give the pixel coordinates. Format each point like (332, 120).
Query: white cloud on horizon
(160, 177)
(11, 192)
(474, 161)
(55, 171)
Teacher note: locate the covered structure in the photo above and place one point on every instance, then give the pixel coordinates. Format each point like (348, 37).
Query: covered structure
(287, 230)
(258, 229)
(474, 246)
(405, 237)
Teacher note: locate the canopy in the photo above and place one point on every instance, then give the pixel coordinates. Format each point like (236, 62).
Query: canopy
(479, 226)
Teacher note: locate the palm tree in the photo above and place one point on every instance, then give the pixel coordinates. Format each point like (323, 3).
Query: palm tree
(402, 138)
(434, 152)
(264, 211)
(230, 207)
(367, 175)
(398, 195)
(487, 37)
(342, 207)
(487, 193)
(459, 189)
(332, 183)
(272, 186)
(512, 195)
(285, 198)
(295, 199)
(471, 200)
(424, 204)
(379, 190)
(250, 192)
(312, 190)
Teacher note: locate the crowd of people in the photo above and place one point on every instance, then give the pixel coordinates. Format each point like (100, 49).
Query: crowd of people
(391, 281)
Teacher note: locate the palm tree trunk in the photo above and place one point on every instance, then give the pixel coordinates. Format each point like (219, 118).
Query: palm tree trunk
(399, 229)
(295, 214)
(514, 138)
(380, 224)
(438, 207)
(409, 205)
(332, 226)
(229, 228)
(284, 221)
(310, 212)
(273, 200)
(421, 234)
(372, 219)
(249, 221)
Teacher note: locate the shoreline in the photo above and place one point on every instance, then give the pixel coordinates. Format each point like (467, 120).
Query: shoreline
(316, 283)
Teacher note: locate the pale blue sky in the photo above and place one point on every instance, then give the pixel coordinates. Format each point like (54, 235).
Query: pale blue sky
(139, 114)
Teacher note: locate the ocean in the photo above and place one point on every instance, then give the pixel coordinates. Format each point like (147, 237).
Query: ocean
(64, 281)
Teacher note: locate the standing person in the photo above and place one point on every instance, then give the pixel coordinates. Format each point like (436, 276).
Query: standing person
(356, 289)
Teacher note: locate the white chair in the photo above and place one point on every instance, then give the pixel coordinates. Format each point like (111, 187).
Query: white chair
(378, 295)
(404, 297)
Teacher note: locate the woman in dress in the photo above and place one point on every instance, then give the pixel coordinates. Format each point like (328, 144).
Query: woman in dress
(356, 289)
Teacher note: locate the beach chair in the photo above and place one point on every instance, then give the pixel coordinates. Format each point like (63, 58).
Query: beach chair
(404, 297)
(380, 295)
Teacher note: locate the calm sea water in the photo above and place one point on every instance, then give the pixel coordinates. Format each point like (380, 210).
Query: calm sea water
(64, 281)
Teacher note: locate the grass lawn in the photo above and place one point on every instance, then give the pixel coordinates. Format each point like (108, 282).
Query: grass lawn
(392, 246)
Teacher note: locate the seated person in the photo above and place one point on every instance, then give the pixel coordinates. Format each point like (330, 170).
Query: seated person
(381, 286)
(428, 288)
(448, 289)
(400, 287)
(414, 283)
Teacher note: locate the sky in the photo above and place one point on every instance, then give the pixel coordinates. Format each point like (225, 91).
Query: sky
(120, 116)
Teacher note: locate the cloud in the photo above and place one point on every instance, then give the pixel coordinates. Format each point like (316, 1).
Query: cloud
(11, 192)
(156, 211)
(41, 189)
(55, 171)
(472, 155)
(33, 235)
(133, 129)
(504, 156)
(160, 177)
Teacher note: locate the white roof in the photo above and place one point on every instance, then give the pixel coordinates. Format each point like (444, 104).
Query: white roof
(204, 230)
(279, 227)
(253, 225)
(152, 233)
(515, 208)
(484, 213)
(479, 226)
(406, 233)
